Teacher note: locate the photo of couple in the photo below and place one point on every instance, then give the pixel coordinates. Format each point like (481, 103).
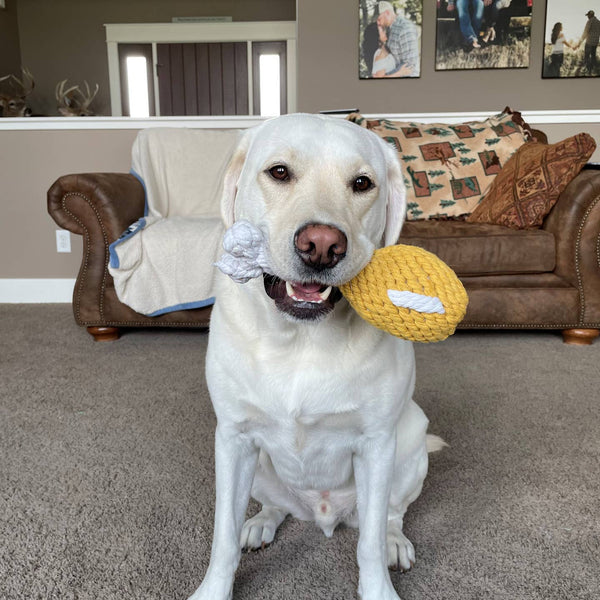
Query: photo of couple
(571, 40)
(390, 39)
(483, 34)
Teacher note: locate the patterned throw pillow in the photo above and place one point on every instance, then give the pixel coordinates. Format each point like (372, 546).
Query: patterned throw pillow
(448, 168)
(530, 183)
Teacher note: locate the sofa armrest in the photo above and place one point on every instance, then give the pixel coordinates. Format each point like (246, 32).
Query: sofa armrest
(100, 207)
(575, 223)
(96, 203)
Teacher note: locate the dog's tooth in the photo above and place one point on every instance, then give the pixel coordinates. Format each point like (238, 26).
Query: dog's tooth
(325, 294)
(289, 289)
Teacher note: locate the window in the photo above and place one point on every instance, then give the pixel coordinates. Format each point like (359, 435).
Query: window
(135, 79)
(269, 85)
(269, 61)
(137, 86)
(185, 69)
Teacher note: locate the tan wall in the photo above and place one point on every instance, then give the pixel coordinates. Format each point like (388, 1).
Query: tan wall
(328, 71)
(560, 131)
(30, 161)
(66, 38)
(10, 53)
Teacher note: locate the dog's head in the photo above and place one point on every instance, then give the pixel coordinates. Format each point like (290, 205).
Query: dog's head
(325, 193)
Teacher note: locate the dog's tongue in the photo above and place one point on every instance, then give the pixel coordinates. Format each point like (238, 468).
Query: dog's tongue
(306, 291)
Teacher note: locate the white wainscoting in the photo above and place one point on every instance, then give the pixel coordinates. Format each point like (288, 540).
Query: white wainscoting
(34, 291)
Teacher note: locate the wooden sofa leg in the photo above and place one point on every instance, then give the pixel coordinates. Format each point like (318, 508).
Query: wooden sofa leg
(104, 334)
(580, 337)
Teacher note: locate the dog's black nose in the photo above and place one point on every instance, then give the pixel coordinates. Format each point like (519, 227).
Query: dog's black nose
(320, 246)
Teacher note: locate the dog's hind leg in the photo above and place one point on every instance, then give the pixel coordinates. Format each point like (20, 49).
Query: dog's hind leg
(259, 530)
(277, 502)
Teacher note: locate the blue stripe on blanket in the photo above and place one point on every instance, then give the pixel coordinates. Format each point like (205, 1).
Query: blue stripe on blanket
(186, 306)
(128, 233)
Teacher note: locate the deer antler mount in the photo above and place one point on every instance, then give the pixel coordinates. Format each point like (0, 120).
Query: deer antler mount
(73, 101)
(13, 94)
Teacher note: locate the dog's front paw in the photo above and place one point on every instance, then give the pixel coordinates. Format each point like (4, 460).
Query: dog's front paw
(214, 588)
(385, 591)
(259, 531)
(400, 551)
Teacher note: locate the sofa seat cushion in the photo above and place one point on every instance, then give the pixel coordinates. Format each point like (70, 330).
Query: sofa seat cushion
(520, 301)
(483, 249)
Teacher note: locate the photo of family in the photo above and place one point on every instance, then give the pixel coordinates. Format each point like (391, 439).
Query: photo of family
(390, 39)
(571, 39)
(483, 34)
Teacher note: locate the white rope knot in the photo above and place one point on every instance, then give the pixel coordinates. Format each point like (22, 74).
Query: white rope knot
(246, 255)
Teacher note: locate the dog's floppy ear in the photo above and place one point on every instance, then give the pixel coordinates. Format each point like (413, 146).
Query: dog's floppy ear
(396, 198)
(231, 179)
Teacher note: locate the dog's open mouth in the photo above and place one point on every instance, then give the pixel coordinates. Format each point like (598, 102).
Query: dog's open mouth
(309, 301)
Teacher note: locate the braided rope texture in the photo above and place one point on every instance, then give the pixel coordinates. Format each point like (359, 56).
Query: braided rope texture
(408, 268)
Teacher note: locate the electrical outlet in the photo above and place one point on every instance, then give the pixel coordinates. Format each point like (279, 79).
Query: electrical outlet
(63, 241)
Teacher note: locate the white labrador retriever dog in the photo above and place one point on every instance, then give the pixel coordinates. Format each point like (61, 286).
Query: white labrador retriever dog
(314, 405)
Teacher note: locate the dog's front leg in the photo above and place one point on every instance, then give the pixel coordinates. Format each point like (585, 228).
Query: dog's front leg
(235, 464)
(373, 472)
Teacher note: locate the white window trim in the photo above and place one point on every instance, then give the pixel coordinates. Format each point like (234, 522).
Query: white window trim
(178, 33)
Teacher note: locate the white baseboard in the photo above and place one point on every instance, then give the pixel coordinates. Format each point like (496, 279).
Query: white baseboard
(34, 291)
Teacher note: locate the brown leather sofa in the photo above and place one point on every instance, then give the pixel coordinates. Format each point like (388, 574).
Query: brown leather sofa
(546, 278)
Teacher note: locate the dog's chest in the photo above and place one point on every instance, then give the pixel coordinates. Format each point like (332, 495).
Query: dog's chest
(308, 403)
(308, 451)
(309, 425)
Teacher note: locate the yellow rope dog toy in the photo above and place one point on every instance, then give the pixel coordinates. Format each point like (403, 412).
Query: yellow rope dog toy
(404, 290)
(409, 293)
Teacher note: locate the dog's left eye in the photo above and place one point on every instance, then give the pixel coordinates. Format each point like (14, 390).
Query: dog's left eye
(279, 172)
(362, 184)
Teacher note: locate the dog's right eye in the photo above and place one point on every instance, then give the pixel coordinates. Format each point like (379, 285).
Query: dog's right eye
(362, 184)
(279, 172)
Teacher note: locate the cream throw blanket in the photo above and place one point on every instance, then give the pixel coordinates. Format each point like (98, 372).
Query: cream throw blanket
(164, 261)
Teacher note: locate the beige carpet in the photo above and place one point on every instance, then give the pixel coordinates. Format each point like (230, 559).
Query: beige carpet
(106, 472)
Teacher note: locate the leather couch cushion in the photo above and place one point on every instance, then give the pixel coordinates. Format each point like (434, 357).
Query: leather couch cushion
(504, 308)
(483, 249)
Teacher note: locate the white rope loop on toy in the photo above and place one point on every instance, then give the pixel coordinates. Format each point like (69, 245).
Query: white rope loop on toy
(418, 302)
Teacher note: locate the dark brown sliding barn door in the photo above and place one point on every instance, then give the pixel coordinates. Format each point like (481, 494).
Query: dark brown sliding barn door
(203, 79)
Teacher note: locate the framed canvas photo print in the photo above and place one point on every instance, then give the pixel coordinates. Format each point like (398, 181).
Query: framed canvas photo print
(483, 34)
(571, 31)
(389, 39)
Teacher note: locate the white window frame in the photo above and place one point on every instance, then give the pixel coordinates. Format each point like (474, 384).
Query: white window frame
(180, 33)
